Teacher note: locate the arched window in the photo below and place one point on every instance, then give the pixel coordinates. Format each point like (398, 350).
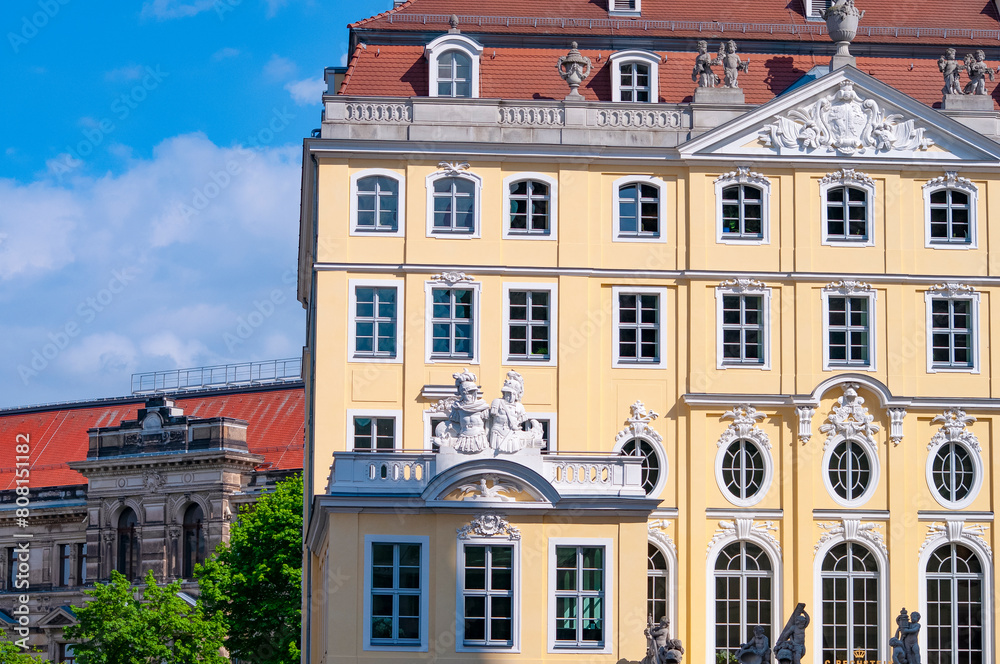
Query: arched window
(650, 461)
(634, 81)
(128, 545)
(949, 216)
(453, 66)
(743, 469)
(851, 603)
(454, 75)
(635, 76)
(954, 606)
(657, 584)
(849, 470)
(743, 591)
(194, 539)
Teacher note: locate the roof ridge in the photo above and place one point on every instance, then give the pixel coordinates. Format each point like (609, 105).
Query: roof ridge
(350, 68)
(382, 15)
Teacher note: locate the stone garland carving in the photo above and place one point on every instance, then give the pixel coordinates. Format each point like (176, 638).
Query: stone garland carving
(844, 123)
(847, 176)
(474, 426)
(951, 180)
(852, 530)
(896, 416)
(453, 169)
(743, 529)
(657, 533)
(849, 287)
(953, 429)
(952, 289)
(489, 525)
(744, 426)
(743, 285)
(743, 175)
(851, 419)
(637, 425)
(955, 532)
(452, 278)
(638, 118)
(805, 414)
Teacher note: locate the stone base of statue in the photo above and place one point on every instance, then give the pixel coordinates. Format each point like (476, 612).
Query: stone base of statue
(967, 103)
(838, 61)
(718, 96)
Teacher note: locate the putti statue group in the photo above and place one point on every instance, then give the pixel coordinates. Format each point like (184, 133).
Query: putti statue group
(702, 73)
(976, 68)
(474, 426)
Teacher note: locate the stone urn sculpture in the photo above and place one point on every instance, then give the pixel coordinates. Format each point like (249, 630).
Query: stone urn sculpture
(574, 68)
(842, 20)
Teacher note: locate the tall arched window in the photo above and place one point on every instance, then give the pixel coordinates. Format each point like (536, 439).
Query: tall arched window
(657, 584)
(128, 544)
(743, 590)
(194, 539)
(851, 606)
(954, 606)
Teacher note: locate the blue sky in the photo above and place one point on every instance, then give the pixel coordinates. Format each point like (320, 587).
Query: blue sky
(150, 159)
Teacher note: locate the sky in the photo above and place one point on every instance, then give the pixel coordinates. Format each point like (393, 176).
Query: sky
(150, 158)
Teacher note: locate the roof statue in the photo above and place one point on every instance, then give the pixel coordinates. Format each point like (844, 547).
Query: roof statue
(790, 645)
(978, 71)
(731, 63)
(842, 25)
(473, 426)
(951, 69)
(905, 644)
(757, 650)
(574, 68)
(660, 648)
(702, 73)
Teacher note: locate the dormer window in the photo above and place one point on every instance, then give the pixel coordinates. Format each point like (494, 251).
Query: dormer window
(814, 8)
(635, 76)
(453, 66)
(624, 7)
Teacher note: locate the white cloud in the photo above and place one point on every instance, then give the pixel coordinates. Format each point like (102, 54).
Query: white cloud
(183, 354)
(125, 74)
(225, 53)
(163, 10)
(100, 354)
(306, 92)
(36, 222)
(279, 68)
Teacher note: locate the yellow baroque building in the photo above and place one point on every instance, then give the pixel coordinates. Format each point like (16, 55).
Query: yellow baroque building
(574, 366)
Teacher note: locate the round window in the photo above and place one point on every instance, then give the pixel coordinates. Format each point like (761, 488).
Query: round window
(650, 461)
(953, 473)
(850, 470)
(743, 469)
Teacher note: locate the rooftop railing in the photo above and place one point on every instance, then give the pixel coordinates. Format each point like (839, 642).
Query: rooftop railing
(218, 376)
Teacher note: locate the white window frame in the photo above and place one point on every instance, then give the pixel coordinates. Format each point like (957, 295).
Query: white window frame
(400, 201)
(452, 42)
(971, 296)
(476, 206)
(553, 206)
(872, 296)
(617, 362)
(609, 569)
(553, 290)
(873, 463)
(659, 540)
(744, 177)
(397, 415)
(429, 287)
(848, 178)
(648, 58)
(550, 417)
(616, 212)
(613, 12)
(763, 292)
(949, 436)
(515, 646)
(352, 286)
(951, 182)
(658, 450)
(424, 543)
(765, 484)
(814, 9)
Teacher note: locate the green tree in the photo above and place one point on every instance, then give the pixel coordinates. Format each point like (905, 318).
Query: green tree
(117, 627)
(255, 580)
(13, 654)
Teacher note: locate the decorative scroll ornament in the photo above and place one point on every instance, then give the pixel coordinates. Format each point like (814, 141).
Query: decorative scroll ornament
(847, 176)
(951, 180)
(743, 529)
(451, 278)
(952, 289)
(953, 430)
(453, 168)
(850, 530)
(489, 525)
(805, 414)
(743, 175)
(849, 286)
(493, 492)
(744, 426)
(637, 426)
(896, 416)
(955, 532)
(844, 123)
(850, 419)
(657, 533)
(743, 285)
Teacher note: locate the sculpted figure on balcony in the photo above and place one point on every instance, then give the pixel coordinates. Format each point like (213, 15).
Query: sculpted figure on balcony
(731, 63)
(702, 73)
(951, 69)
(507, 416)
(978, 71)
(465, 430)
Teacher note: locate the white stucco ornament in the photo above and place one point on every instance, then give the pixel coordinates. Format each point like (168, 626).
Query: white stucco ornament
(954, 423)
(846, 124)
(489, 525)
(850, 419)
(744, 426)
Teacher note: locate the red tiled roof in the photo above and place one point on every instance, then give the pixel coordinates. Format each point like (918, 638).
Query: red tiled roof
(933, 16)
(59, 435)
(526, 73)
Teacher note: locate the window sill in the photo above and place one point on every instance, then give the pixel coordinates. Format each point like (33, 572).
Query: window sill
(377, 359)
(639, 238)
(515, 235)
(945, 369)
(961, 246)
(733, 239)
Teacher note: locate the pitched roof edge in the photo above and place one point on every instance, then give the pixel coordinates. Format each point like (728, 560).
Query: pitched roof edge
(351, 64)
(360, 23)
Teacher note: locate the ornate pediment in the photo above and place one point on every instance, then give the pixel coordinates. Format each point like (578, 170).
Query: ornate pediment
(955, 532)
(638, 425)
(744, 426)
(852, 530)
(489, 525)
(744, 529)
(954, 423)
(850, 419)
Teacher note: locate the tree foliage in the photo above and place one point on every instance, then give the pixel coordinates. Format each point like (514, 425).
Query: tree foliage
(11, 653)
(255, 580)
(117, 627)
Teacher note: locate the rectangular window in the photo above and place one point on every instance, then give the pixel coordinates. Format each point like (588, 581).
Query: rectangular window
(847, 214)
(580, 612)
(65, 564)
(638, 328)
(638, 211)
(374, 434)
(377, 204)
(949, 217)
(529, 208)
(375, 314)
(849, 331)
(81, 564)
(951, 333)
(396, 576)
(452, 323)
(743, 329)
(488, 596)
(454, 202)
(529, 315)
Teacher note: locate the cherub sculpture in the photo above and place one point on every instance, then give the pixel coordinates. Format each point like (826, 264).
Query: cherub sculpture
(755, 651)
(978, 71)
(660, 648)
(790, 645)
(702, 73)
(907, 632)
(731, 63)
(951, 69)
